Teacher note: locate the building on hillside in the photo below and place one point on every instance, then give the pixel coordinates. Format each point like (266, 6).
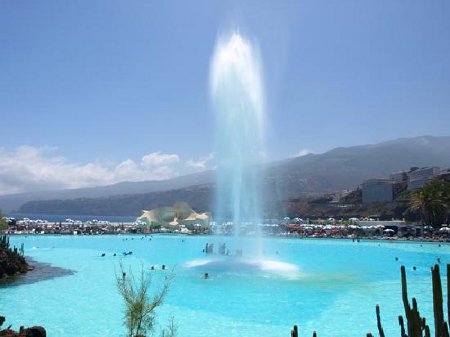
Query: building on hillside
(377, 190)
(444, 175)
(421, 176)
(399, 176)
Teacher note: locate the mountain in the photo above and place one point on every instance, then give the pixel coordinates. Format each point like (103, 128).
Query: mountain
(12, 202)
(337, 169)
(199, 197)
(346, 167)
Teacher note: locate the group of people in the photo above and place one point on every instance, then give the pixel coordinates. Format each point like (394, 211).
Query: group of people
(123, 253)
(223, 250)
(163, 267)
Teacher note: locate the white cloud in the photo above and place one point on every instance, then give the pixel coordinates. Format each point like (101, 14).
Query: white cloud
(302, 153)
(30, 168)
(200, 164)
(158, 159)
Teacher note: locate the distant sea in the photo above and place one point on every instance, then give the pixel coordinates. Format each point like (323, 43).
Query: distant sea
(63, 217)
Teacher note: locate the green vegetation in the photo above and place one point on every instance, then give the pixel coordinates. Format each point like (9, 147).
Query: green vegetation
(12, 260)
(432, 201)
(139, 308)
(3, 222)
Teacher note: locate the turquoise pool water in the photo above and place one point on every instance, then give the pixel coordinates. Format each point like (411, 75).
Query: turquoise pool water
(331, 286)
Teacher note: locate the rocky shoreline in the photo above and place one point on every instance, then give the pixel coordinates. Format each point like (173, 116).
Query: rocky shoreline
(41, 271)
(12, 261)
(34, 331)
(14, 267)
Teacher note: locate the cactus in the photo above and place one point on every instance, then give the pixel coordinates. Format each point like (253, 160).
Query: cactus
(402, 326)
(437, 300)
(4, 241)
(415, 324)
(294, 332)
(380, 328)
(445, 329)
(448, 293)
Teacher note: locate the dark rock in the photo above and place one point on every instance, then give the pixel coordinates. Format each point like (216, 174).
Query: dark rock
(35, 331)
(9, 333)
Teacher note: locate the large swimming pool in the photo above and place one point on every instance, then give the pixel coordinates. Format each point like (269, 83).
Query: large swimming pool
(331, 286)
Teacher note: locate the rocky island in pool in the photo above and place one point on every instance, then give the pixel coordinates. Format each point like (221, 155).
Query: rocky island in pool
(12, 261)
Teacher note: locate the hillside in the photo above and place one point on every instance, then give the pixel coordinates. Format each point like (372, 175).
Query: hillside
(345, 168)
(199, 197)
(313, 174)
(12, 202)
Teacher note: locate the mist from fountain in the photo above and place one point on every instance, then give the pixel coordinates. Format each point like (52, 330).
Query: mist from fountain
(236, 87)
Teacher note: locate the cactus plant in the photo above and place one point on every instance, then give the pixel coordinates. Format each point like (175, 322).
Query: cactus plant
(380, 328)
(294, 332)
(416, 325)
(437, 301)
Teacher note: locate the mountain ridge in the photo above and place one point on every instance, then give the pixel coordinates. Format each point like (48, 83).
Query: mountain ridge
(337, 169)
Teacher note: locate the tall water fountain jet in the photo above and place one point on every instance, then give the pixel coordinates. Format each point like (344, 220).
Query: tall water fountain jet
(237, 93)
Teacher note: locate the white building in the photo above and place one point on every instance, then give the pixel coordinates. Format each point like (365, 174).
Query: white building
(377, 190)
(420, 177)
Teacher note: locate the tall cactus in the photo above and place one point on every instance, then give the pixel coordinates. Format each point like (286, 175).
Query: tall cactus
(380, 328)
(445, 329)
(448, 293)
(416, 325)
(4, 241)
(402, 326)
(294, 332)
(437, 301)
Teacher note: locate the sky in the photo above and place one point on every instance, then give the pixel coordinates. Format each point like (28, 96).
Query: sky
(94, 92)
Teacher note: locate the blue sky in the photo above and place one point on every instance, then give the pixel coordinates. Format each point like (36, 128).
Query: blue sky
(94, 92)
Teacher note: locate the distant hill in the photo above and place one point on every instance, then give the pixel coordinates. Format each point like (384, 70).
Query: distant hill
(199, 197)
(346, 167)
(337, 169)
(12, 202)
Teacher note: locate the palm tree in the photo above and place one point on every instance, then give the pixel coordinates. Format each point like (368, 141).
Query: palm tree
(432, 201)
